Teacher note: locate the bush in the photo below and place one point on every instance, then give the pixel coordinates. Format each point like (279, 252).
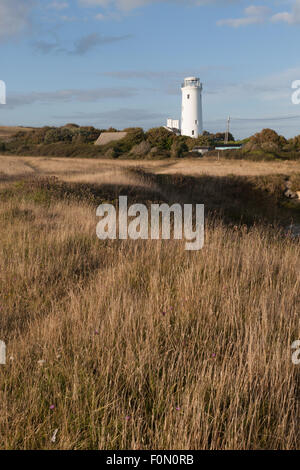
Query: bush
(272, 147)
(50, 135)
(74, 141)
(72, 125)
(141, 149)
(267, 145)
(135, 136)
(161, 138)
(294, 143)
(179, 148)
(267, 135)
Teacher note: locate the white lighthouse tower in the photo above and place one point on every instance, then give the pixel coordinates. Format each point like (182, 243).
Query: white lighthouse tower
(191, 114)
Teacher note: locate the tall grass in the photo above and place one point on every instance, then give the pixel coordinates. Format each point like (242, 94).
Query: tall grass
(141, 344)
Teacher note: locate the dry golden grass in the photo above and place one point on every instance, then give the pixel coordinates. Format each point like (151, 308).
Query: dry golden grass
(6, 132)
(79, 169)
(146, 346)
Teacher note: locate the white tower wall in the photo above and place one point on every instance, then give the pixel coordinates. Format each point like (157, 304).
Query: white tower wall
(191, 114)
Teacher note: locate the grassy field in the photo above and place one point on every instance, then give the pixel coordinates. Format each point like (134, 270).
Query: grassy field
(141, 344)
(7, 132)
(93, 169)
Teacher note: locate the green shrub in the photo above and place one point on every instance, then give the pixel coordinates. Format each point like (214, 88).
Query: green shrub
(161, 138)
(74, 141)
(179, 148)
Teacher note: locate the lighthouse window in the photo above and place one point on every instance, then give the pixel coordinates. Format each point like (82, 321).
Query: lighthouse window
(193, 132)
(188, 97)
(196, 122)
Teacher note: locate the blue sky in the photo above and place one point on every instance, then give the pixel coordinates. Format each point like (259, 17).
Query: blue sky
(121, 62)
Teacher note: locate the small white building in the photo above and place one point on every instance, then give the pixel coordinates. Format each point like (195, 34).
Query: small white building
(173, 124)
(202, 150)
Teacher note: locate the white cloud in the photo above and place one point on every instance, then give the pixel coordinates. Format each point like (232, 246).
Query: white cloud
(94, 3)
(69, 95)
(253, 15)
(86, 43)
(58, 5)
(119, 4)
(126, 5)
(109, 15)
(14, 17)
(81, 46)
(68, 19)
(122, 115)
(292, 17)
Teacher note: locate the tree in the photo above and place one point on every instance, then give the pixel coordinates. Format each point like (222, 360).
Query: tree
(178, 148)
(266, 135)
(160, 137)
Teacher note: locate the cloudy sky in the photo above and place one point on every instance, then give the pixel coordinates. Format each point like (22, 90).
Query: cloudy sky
(121, 62)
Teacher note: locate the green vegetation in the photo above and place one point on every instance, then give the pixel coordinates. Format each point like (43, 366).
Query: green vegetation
(67, 141)
(267, 145)
(72, 140)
